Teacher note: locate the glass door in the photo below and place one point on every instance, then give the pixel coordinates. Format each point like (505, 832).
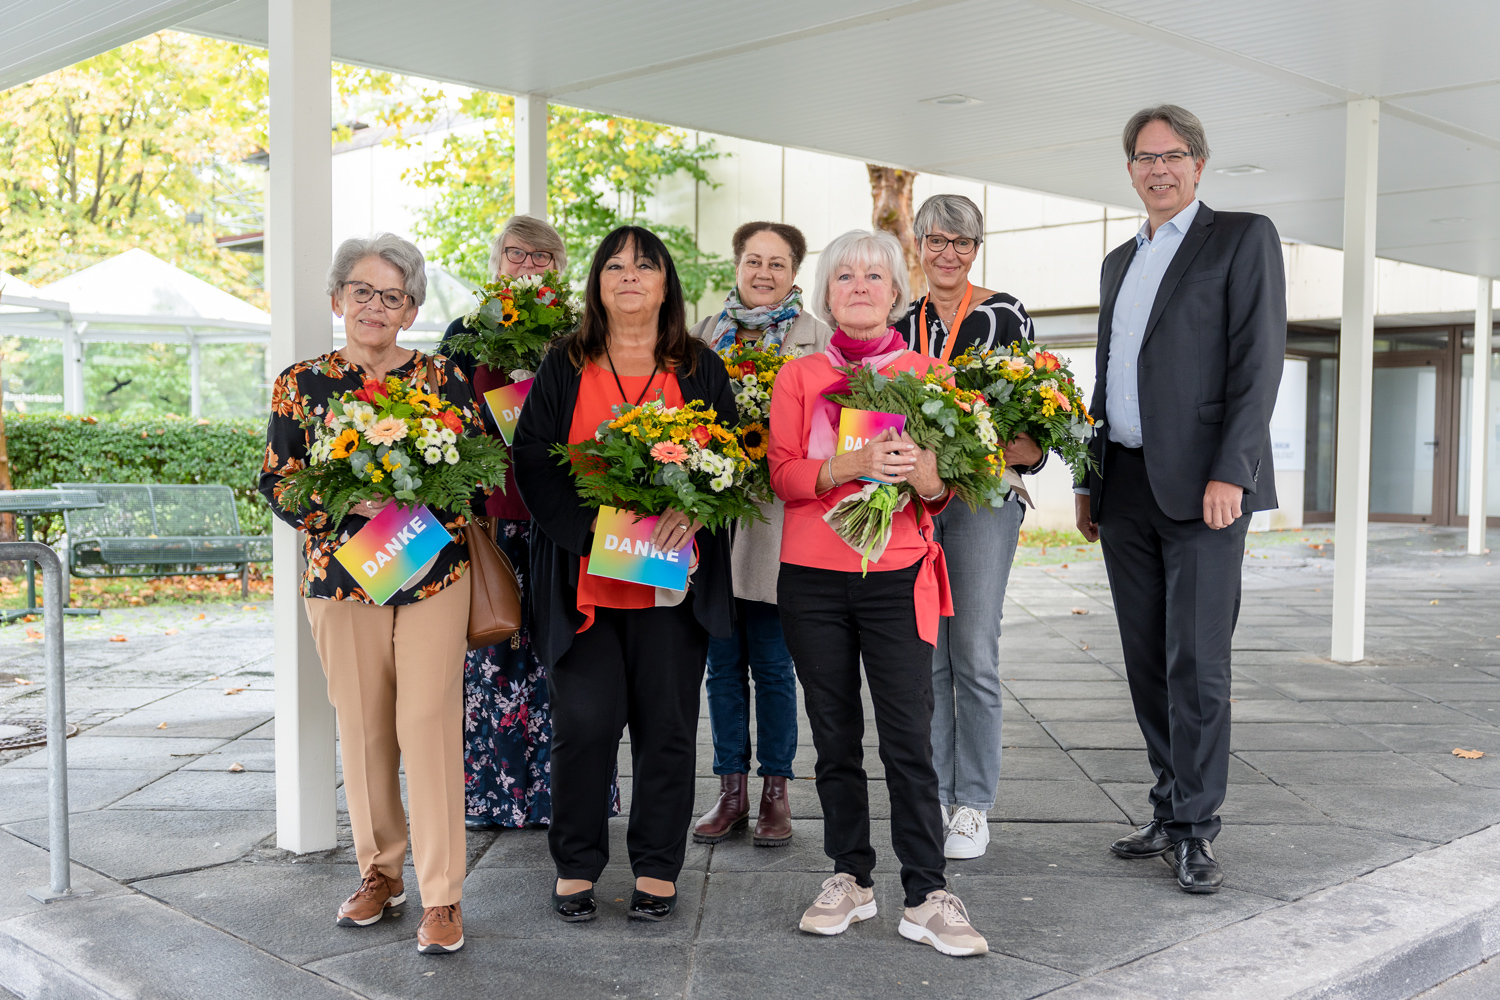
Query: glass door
(1408, 457)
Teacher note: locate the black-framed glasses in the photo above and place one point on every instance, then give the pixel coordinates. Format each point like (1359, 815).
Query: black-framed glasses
(539, 258)
(391, 298)
(1172, 158)
(964, 245)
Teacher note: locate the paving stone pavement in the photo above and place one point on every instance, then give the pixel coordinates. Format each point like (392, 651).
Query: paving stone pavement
(1343, 786)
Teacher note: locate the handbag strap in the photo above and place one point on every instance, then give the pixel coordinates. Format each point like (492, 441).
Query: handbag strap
(431, 378)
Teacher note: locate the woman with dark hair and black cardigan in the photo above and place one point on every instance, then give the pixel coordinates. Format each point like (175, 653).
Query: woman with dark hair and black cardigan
(619, 653)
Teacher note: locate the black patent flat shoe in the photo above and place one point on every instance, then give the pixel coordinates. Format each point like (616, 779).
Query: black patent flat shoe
(576, 907)
(644, 906)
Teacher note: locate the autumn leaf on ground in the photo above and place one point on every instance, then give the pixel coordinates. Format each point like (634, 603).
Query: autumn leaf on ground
(199, 617)
(33, 634)
(236, 768)
(171, 631)
(1085, 646)
(250, 607)
(1467, 754)
(1433, 601)
(1080, 611)
(118, 638)
(22, 680)
(229, 691)
(162, 726)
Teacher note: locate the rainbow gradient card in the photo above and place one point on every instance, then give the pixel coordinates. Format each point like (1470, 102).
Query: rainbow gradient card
(623, 551)
(505, 405)
(395, 546)
(857, 427)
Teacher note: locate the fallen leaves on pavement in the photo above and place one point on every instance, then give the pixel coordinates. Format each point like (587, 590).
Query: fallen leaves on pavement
(229, 691)
(162, 726)
(1080, 611)
(1467, 754)
(33, 634)
(236, 768)
(118, 638)
(171, 631)
(22, 680)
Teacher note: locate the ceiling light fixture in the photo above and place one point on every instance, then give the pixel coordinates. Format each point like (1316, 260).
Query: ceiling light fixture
(952, 100)
(1452, 220)
(1243, 170)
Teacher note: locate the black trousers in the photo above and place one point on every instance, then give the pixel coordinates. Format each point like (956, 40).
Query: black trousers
(831, 621)
(1176, 587)
(641, 668)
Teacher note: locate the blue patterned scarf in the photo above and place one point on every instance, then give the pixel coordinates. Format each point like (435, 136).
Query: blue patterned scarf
(775, 320)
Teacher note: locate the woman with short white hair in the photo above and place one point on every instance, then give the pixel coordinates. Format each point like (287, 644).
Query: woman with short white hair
(836, 617)
(953, 317)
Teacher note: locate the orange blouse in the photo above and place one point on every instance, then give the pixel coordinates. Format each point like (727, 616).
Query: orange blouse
(598, 395)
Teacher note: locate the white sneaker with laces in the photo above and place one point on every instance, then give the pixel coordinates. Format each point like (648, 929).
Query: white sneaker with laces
(968, 834)
(841, 902)
(943, 922)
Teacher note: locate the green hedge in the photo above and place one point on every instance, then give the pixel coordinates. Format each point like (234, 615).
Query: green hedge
(47, 448)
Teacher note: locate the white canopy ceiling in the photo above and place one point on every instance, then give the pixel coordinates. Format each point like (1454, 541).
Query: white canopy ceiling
(1054, 80)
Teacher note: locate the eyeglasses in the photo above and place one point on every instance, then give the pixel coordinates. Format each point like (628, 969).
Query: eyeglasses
(539, 258)
(1173, 158)
(963, 245)
(391, 298)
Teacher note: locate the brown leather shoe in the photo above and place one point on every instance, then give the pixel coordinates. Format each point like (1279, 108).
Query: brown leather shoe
(732, 810)
(375, 895)
(773, 826)
(441, 930)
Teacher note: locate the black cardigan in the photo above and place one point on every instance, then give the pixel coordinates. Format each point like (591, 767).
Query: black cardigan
(549, 491)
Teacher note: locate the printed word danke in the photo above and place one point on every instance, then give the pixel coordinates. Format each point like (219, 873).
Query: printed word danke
(641, 547)
(404, 536)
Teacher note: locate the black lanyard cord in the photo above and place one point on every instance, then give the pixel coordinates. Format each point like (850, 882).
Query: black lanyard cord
(621, 386)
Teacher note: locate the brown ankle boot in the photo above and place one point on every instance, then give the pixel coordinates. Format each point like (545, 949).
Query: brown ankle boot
(732, 810)
(773, 827)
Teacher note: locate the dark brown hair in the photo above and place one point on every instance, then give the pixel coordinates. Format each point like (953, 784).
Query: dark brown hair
(674, 348)
(791, 234)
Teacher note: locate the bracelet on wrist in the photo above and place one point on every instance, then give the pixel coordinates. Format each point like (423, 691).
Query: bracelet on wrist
(936, 496)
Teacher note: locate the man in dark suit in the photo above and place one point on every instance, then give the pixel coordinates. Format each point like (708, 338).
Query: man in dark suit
(1192, 334)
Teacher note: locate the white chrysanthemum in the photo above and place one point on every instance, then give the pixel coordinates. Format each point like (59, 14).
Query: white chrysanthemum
(432, 455)
(428, 424)
(721, 483)
(450, 455)
(448, 436)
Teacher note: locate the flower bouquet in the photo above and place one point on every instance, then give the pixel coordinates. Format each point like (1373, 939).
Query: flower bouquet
(388, 439)
(953, 423)
(652, 457)
(753, 371)
(1031, 390)
(515, 320)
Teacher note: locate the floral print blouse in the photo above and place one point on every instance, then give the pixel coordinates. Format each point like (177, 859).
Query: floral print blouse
(305, 388)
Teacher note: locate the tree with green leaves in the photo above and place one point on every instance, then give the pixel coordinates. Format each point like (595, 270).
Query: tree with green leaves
(128, 149)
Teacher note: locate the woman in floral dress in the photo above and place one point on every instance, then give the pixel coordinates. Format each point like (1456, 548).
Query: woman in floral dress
(507, 717)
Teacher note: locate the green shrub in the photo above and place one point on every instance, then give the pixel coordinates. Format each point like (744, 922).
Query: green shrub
(47, 448)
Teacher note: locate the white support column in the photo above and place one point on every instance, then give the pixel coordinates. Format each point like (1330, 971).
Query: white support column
(1479, 425)
(195, 375)
(299, 234)
(72, 360)
(531, 155)
(1356, 373)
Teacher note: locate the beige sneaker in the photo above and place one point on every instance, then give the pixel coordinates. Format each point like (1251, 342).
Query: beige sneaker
(943, 922)
(841, 902)
(441, 930)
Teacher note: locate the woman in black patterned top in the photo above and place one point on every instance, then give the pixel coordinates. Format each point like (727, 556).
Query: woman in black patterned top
(395, 671)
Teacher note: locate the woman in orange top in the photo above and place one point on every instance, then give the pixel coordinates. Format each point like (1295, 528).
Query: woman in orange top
(616, 653)
(836, 617)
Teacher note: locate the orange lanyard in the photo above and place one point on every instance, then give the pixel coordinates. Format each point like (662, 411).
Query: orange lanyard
(958, 321)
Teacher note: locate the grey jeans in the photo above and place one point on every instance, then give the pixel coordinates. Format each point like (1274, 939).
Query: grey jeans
(979, 548)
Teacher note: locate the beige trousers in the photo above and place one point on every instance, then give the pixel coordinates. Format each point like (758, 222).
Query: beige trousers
(396, 679)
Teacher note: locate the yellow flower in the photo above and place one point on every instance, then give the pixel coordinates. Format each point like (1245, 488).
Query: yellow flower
(424, 399)
(756, 440)
(345, 443)
(376, 476)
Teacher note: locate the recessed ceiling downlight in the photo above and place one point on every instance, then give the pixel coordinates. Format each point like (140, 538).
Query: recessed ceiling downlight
(952, 100)
(1452, 220)
(1243, 170)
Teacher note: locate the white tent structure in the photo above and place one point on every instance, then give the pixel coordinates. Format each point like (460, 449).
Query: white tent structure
(1369, 125)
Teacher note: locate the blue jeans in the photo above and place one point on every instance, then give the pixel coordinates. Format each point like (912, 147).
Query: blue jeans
(979, 547)
(755, 649)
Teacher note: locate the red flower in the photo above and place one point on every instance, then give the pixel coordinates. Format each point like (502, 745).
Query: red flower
(546, 296)
(702, 435)
(370, 390)
(1046, 361)
(450, 420)
(747, 367)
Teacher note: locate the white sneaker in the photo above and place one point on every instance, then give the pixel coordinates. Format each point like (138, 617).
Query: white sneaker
(841, 902)
(942, 922)
(968, 834)
(946, 813)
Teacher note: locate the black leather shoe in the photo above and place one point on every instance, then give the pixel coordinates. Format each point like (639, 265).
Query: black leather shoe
(576, 907)
(644, 906)
(1150, 841)
(1194, 865)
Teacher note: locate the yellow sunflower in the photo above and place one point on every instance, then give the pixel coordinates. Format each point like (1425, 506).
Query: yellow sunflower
(756, 440)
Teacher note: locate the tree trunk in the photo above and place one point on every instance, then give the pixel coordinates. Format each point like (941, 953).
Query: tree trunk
(891, 190)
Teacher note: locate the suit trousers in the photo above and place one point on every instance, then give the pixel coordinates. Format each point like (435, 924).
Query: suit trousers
(832, 621)
(396, 679)
(1176, 588)
(642, 668)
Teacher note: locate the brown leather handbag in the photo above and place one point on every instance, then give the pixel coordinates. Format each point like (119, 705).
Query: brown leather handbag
(495, 593)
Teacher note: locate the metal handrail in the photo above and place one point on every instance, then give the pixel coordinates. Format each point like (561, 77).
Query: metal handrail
(57, 719)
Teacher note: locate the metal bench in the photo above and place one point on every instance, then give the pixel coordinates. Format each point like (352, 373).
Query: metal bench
(161, 531)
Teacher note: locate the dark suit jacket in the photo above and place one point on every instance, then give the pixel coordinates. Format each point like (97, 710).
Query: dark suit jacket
(1210, 363)
(548, 489)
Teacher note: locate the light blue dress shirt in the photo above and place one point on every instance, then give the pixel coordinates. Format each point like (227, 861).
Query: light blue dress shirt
(1122, 401)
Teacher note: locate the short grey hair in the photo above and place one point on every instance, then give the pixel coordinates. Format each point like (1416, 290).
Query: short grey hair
(536, 233)
(389, 247)
(860, 246)
(1179, 120)
(952, 213)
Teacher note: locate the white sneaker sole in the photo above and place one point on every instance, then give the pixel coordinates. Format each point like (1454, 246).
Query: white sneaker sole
(441, 949)
(921, 935)
(390, 905)
(864, 912)
(967, 852)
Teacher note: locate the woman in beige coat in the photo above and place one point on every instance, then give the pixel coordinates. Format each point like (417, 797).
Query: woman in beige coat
(765, 308)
